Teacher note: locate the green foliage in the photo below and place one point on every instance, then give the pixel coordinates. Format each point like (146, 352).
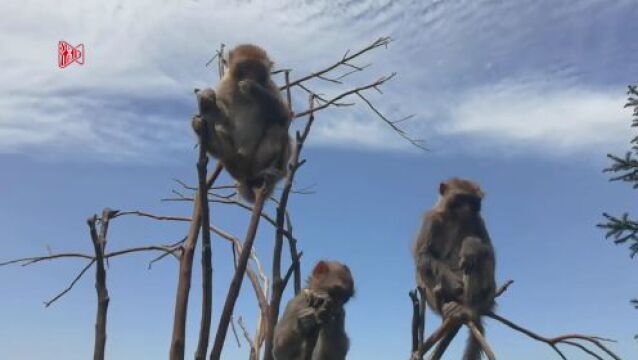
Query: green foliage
(623, 229)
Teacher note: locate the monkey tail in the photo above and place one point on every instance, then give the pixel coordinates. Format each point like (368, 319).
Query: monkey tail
(246, 191)
(473, 349)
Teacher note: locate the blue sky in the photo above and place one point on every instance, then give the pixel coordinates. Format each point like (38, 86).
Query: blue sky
(524, 97)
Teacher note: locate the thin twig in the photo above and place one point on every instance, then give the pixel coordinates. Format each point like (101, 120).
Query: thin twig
(152, 216)
(35, 259)
(291, 269)
(567, 339)
(383, 41)
(68, 288)
(503, 288)
(242, 325)
(335, 99)
(415, 320)
(234, 330)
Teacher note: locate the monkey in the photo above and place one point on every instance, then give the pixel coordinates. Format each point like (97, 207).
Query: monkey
(313, 324)
(455, 261)
(247, 122)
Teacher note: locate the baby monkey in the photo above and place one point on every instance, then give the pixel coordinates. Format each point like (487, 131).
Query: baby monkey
(247, 122)
(313, 324)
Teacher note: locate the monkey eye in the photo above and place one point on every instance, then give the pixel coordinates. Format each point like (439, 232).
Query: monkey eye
(338, 293)
(473, 202)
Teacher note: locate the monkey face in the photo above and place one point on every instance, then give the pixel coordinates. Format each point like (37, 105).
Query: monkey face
(465, 206)
(334, 279)
(252, 69)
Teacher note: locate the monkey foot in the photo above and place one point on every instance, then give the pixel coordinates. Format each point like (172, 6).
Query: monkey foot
(270, 176)
(455, 311)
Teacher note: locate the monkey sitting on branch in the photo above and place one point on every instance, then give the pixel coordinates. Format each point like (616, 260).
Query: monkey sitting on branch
(313, 324)
(455, 262)
(247, 122)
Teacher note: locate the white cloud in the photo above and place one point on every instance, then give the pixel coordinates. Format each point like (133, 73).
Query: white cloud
(133, 97)
(365, 132)
(533, 115)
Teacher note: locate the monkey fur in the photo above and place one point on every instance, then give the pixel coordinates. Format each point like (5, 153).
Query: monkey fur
(455, 262)
(313, 324)
(247, 122)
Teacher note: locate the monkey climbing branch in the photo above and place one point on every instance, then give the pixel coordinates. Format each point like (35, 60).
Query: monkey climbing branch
(569, 339)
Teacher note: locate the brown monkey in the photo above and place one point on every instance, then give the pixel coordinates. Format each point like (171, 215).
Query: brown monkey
(313, 324)
(247, 122)
(455, 260)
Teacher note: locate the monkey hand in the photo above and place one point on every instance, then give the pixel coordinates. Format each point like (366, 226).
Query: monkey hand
(247, 86)
(329, 311)
(456, 311)
(450, 283)
(197, 125)
(467, 264)
(317, 299)
(308, 321)
(207, 100)
(324, 306)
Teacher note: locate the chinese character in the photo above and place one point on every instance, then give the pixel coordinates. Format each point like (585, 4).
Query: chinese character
(68, 54)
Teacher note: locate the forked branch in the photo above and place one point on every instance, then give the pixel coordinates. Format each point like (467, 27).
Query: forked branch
(574, 340)
(568, 339)
(345, 61)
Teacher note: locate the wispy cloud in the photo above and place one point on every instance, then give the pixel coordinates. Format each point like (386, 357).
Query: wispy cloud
(530, 115)
(133, 98)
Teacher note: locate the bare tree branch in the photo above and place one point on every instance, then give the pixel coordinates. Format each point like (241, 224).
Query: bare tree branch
(291, 269)
(481, 340)
(563, 339)
(152, 216)
(383, 41)
(207, 267)
(335, 99)
(503, 288)
(278, 284)
(238, 277)
(184, 280)
(68, 288)
(451, 326)
(416, 142)
(415, 320)
(99, 244)
(237, 248)
(251, 343)
(35, 259)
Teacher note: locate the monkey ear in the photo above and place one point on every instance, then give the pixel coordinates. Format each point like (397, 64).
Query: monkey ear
(442, 188)
(320, 268)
